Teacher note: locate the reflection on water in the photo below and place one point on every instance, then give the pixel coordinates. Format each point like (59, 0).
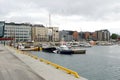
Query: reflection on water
(99, 62)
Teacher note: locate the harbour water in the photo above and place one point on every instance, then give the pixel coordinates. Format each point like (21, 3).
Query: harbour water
(99, 62)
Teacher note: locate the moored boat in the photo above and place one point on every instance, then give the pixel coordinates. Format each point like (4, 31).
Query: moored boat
(63, 49)
(30, 49)
(79, 51)
(49, 49)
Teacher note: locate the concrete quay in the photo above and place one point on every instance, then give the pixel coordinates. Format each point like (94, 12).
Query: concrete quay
(12, 68)
(37, 70)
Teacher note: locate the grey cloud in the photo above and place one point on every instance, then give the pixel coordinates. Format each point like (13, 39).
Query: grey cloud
(27, 19)
(90, 9)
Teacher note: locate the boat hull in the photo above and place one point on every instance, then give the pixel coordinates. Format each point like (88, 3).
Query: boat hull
(79, 51)
(66, 52)
(30, 49)
(50, 49)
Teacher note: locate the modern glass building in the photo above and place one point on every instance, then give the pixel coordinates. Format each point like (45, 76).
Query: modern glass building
(2, 25)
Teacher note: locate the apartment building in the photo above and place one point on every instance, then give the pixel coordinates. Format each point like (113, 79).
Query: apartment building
(39, 33)
(90, 35)
(53, 33)
(45, 34)
(103, 35)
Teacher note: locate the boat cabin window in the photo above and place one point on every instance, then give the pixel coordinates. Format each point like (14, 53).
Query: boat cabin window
(64, 48)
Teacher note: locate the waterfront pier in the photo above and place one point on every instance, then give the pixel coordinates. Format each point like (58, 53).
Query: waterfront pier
(12, 68)
(16, 66)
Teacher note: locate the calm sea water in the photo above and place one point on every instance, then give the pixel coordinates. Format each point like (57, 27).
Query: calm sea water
(99, 62)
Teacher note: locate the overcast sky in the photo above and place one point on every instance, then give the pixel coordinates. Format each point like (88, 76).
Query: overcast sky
(80, 15)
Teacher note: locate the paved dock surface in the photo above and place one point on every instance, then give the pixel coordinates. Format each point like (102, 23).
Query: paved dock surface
(12, 68)
(17, 66)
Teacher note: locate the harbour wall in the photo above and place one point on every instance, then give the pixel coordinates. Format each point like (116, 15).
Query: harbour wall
(48, 72)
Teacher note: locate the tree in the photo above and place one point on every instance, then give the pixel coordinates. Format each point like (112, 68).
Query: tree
(114, 36)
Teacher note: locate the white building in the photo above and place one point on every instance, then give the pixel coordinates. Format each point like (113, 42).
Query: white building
(19, 32)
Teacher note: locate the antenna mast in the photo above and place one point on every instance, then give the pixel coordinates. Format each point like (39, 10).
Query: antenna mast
(49, 20)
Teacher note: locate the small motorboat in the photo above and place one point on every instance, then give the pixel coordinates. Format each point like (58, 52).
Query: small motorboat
(63, 49)
(27, 47)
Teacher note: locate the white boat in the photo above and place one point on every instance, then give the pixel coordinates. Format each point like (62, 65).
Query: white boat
(31, 48)
(63, 49)
(78, 44)
(84, 44)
